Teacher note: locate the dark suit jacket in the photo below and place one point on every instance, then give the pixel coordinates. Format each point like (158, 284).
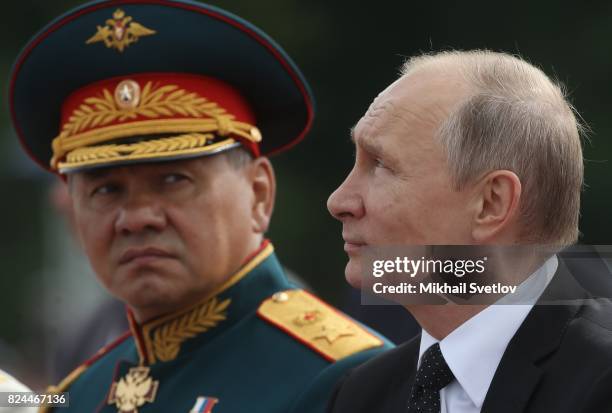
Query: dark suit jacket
(559, 361)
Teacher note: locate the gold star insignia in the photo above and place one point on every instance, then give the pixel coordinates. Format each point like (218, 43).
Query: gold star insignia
(332, 334)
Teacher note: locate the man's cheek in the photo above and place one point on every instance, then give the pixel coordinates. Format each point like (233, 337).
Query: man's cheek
(98, 252)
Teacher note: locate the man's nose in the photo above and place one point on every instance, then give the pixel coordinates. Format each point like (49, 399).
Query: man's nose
(346, 201)
(140, 212)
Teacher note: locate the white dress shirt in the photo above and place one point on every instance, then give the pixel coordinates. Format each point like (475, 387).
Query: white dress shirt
(474, 349)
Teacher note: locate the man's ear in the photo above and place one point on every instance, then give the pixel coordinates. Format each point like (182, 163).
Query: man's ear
(497, 203)
(264, 190)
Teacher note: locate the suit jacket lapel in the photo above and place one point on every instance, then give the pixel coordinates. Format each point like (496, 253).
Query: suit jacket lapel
(401, 386)
(540, 334)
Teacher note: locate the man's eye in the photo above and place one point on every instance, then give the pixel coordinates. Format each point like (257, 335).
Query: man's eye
(379, 164)
(174, 178)
(105, 189)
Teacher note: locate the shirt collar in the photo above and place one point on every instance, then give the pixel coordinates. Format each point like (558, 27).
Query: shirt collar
(475, 348)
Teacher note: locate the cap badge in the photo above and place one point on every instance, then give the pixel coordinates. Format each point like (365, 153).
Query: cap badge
(119, 32)
(127, 94)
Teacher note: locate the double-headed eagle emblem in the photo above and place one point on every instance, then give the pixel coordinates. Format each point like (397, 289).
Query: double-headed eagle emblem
(119, 32)
(133, 390)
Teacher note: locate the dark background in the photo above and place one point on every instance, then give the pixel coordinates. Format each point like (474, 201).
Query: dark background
(349, 51)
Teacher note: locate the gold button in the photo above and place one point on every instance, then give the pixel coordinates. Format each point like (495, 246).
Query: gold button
(280, 297)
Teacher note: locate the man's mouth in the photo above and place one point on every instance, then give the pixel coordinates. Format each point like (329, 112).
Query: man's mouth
(143, 254)
(352, 244)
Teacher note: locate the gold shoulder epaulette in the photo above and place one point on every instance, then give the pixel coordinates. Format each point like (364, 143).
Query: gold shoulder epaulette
(316, 324)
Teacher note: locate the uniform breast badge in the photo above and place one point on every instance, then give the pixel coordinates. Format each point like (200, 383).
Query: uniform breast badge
(119, 32)
(204, 405)
(133, 390)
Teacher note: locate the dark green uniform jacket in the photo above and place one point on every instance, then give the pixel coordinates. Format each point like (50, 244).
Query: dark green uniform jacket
(256, 345)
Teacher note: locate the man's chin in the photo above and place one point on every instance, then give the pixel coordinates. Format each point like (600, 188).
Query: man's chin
(146, 295)
(144, 289)
(352, 274)
(149, 304)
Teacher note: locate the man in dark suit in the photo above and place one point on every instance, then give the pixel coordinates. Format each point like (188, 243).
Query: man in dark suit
(477, 148)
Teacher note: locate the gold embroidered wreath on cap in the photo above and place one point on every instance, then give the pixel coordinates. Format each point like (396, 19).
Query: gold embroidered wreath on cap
(177, 145)
(201, 116)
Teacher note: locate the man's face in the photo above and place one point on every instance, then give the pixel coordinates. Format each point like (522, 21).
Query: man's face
(399, 191)
(161, 235)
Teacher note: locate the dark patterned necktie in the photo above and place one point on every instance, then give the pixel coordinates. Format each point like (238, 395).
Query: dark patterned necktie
(432, 376)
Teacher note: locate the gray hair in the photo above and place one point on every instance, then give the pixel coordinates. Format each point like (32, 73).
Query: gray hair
(238, 157)
(514, 118)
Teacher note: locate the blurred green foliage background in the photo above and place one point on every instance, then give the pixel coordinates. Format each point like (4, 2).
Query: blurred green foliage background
(349, 51)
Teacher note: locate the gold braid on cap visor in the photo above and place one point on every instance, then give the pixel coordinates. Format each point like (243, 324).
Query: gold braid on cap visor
(101, 119)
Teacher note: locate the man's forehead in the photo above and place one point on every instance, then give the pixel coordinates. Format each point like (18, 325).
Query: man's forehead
(138, 168)
(416, 101)
(387, 116)
(376, 117)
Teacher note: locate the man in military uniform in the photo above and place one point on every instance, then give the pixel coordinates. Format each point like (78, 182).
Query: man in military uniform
(159, 115)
